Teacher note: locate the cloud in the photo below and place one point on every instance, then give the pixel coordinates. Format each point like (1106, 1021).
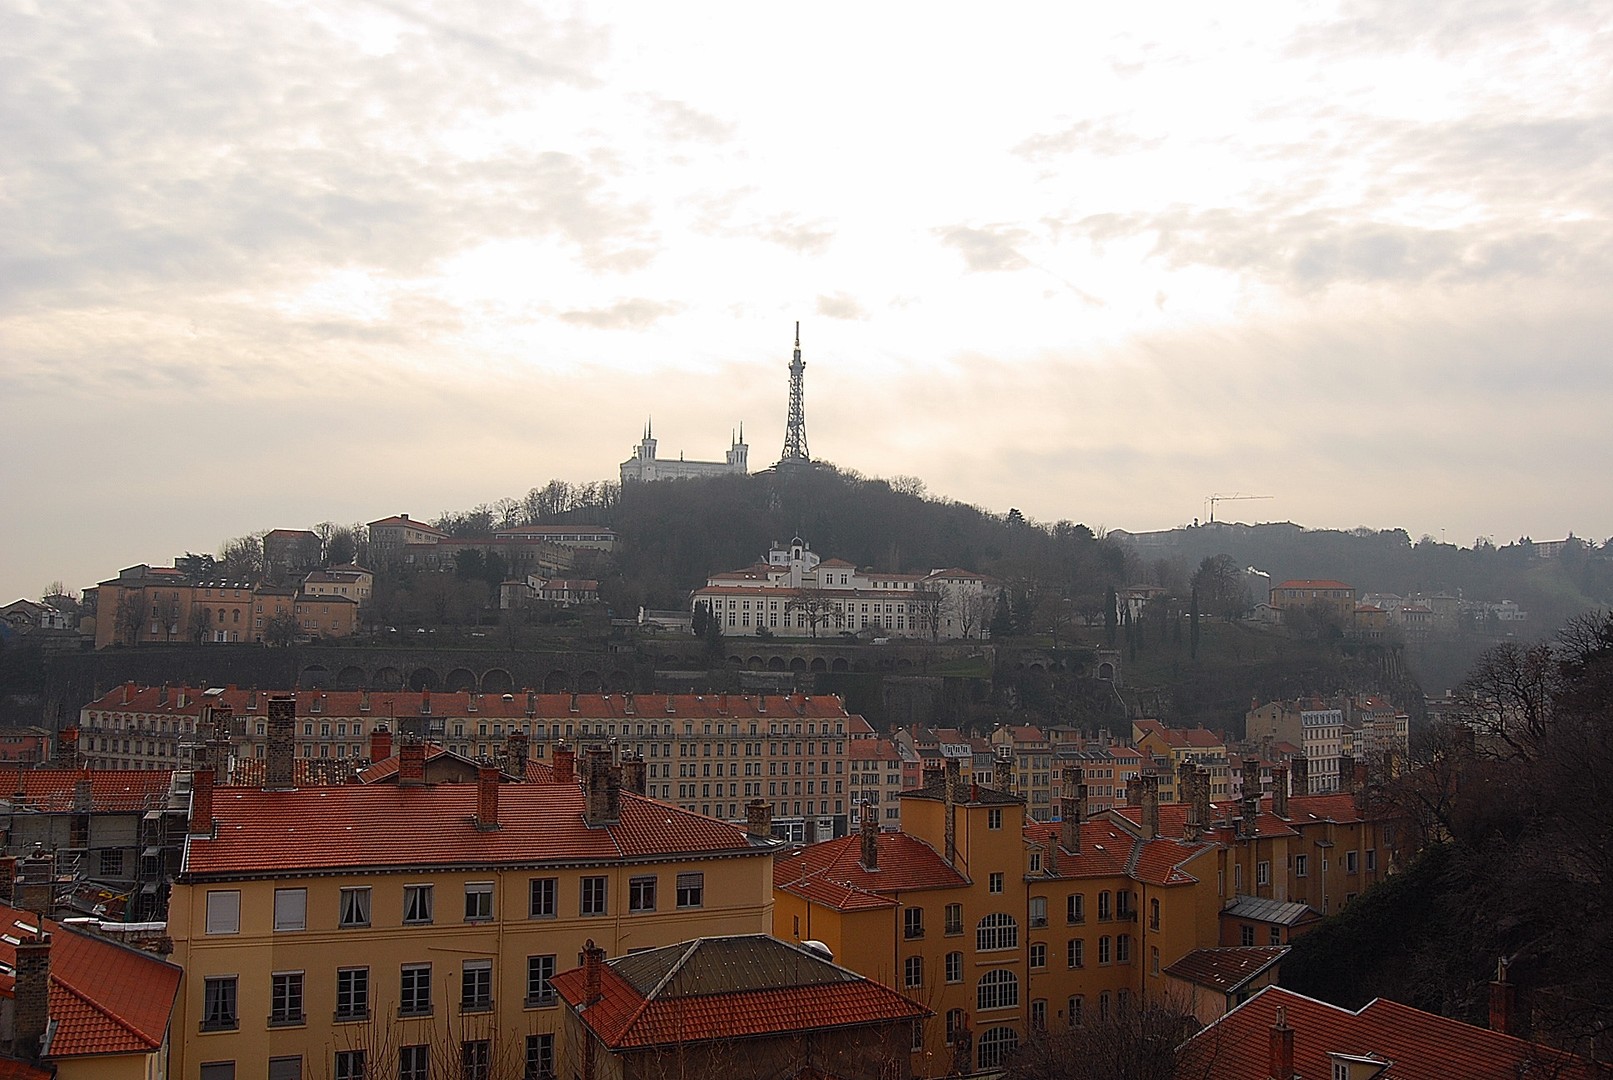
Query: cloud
(635, 314)
(841, 306)
(986, 249)
(1106, 137)
(684, 123)
(802, 237)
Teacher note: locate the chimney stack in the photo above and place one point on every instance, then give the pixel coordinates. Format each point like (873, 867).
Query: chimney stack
(281, 754)
(1187, 787)
(201, 803)
(759, 819)
(603, 804)
(1300, 767)
(949, 786)
(1250, 825)
(487, 781)
(67, 748)
(565, 764)
(1503, 1001)
(8, 880)
(870, 837)
(1134, 791)
(32, 1005)
(633, 774)
(1150, 806)
(1251, 776)
(1347, 773)
(83, 796)
(1201, 795)
(1279, 790)
(933, 774)
(380, 743)
(36, 883)
(411, 762)
(1281, 1058)
(1072, 808)
(518, 748)
(1002, 772)
(593, 968)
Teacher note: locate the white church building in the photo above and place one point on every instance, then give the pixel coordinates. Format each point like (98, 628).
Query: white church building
(644, 466)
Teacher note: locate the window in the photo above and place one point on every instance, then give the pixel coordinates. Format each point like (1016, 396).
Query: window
(955, 1024)
(913, 972)
(290, 909)
(1038, 911)
(1075, 908)
(349, 1065)
(1276, 935)
(478, 901)
(995, 1046)
(593, 896)
(1103, 1005)
(641, 893)
(414, 1063)
(285, 1068)
(997, 932)
(355, 908)
(1350, 862)
(1301, 863)
(218, 1004)
(285, 998)
(994, 818)
(475, 1059)
(997, 989)
(1372, 859)
(1073, 1009)
(954, 967)
(224, 911)
(218, 1070)
(691, 890)
(1153, 914)
(111, 862)
(539, 1057)
(1153, 960)
(1038, 956)
(1075, 952)
(353, 993)
(414, 998)
(1104, 946)
(1104, 910)
(916, 1043)
(954, 919)
(1123, 949)
(542, 902)
(912, 923)
(1246, 934)
(417, 903)
(1263, 873)
(539, 970)
(995, 883)
(1039, 1014)
(476, 985)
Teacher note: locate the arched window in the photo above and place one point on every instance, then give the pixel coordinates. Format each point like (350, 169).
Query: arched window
(997, 990)
(995, 1045)
(996, 932)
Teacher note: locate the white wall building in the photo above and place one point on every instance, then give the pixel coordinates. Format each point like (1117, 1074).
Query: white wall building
(1323, 741)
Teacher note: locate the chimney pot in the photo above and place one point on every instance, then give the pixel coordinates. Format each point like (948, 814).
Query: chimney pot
(1503, 1001)
(565, 764)
(517, 748)
(759, 819)
(411, 762)
(487, 782)
(32, 1003)
(380, 743)
(1281, 1058)
(1150, 806)
(1279, 790)
(281, 759)
(201, 802)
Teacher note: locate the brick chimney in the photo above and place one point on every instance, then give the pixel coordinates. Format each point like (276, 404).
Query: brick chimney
(565, 764)
(1201, 794)
(1134, 791)
(1187, 789)
(281, 754)
(1300, 766)
(633, 774)
(487, 781)
(1347, 773)
(949, 792)
(933, 774)
(1150, 806)
(1251, 776)
(201, 803)
(31, 1017)
(1279, 790)
(603, 804)
(1503, 1001)
(8, 880)
(593, 971)
(380, 743)
(411, 762)
(83, 796)
(67, 748)
(1281, 1057)
(36, 883)
(1249, 825)
(518, 747)
(870, 837)
(759, 819)
(1002, 769)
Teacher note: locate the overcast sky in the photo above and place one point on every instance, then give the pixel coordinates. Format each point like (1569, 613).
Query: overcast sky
(268, 264)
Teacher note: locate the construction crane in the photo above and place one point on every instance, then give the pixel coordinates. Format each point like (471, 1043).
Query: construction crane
(1230, 496)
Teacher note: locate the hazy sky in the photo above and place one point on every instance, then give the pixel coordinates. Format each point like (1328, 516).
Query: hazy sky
(268, 264)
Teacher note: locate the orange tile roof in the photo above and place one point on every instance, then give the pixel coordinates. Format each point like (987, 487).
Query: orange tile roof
(1227, 969)
(873, 750)
(368, 825)
(758, 986)
(111, 790)
(105, 998)
(1414, 1045)
(827, 870)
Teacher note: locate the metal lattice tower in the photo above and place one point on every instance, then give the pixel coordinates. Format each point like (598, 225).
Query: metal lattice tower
(795, 437)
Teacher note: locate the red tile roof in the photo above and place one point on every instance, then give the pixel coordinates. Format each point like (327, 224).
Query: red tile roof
(111, 790)
(1415, 1045)
(758, 986)
(1227, 969)
(366, 825)
(1108, 850)
(105, 998)
(831, 873)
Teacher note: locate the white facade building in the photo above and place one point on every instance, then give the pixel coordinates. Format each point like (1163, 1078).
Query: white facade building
(644, 466)
(1322, 741)
(795, 593)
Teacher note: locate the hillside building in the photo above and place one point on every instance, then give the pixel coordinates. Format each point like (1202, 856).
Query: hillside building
(644, 467)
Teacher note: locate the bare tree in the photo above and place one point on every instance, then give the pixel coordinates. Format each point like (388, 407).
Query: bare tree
(130, 616)
(1140, 1042)
(818, 606)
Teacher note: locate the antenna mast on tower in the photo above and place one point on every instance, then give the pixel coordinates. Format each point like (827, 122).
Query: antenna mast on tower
(795, 438)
